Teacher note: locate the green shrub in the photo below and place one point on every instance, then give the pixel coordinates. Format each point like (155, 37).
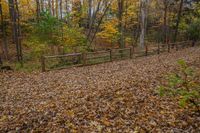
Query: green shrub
(50, 33)
(194, 30)
(183, 84)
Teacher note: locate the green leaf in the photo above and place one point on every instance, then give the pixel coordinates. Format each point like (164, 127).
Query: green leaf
(161, 91)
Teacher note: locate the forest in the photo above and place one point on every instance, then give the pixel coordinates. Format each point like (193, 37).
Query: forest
(32, 28)
(100, 66)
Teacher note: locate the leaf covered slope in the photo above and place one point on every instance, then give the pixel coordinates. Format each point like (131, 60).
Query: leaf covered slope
(112, 97)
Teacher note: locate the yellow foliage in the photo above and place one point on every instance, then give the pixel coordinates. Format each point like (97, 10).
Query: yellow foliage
(5, 8)
(26, 9)
(109, 31)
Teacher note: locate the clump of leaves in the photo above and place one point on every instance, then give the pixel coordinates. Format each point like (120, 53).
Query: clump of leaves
(109, 31)
(184, 84)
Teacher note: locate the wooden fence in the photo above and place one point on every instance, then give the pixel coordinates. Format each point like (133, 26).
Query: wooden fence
(91, 58)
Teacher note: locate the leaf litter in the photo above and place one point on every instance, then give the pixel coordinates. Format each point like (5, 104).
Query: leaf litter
(112, 97)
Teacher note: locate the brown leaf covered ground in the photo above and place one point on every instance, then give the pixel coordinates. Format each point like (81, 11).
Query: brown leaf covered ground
(112, 97)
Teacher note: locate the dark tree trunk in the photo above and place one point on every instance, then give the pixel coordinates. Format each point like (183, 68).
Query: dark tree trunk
(14, 12)
(120, 19)
(165, 22)
(38, 10)
(19, 37)
(61, 4)
(92, 19)
(178, 20)
(53, 7)
(107, 5)
(3, 28)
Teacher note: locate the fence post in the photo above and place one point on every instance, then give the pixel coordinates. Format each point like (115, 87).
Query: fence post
(176, 46)
(193, 43)
(169, 46)
(158, 48)
(84, 59)
(131, 52)
(183, 45)
(187, 45)
(111, 55)
(43, 63)
(146, 50)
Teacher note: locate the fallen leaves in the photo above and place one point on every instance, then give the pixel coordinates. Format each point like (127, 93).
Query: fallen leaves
(111, 97)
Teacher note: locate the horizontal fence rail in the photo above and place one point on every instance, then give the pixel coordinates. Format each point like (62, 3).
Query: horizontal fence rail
(91, 58)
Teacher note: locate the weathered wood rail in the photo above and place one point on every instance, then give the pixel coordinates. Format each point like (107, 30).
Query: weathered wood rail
(91, 58)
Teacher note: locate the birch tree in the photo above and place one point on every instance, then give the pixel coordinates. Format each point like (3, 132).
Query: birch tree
(143, 24)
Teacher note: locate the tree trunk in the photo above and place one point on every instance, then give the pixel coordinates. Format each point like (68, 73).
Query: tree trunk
(41, 5)
(143, 7)
(93, 18)
(53, 8)
(178, 20)
(19, 37)
(14, 12)
(5, 44)
(38, 9)
(120, 19)
(61, 9)
(56, 8)
(49, 4)
(107, 5)
(89, 13)
(165, 22)
(61, 17)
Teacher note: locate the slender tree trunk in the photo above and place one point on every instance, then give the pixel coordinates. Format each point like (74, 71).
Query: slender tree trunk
(66, 8)
(108, 4)
(61, 9)
(136, 33)
(178, 20)
(57, 8)
(61, 17)
(19, 37)
(38, 9)
(89, 13)
(126, 22)
(5, 44)
(11, 12)
(165, 22)
(120, 19)
(49, 4)
(41, 5)
(53, 7)
(14, 12)
(93, 18)
(80, 10)
(143, 7)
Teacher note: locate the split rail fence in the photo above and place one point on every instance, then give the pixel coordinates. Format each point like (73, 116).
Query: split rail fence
(91, 58)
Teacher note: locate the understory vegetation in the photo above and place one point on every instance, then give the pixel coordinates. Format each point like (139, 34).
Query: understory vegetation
(184, 84)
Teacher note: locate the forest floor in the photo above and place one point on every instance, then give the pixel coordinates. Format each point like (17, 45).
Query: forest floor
(112, 97)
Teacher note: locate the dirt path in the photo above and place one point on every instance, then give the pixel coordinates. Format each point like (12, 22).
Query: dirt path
(111, 97)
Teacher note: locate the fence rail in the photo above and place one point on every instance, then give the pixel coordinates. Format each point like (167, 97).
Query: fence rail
(90, 58)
